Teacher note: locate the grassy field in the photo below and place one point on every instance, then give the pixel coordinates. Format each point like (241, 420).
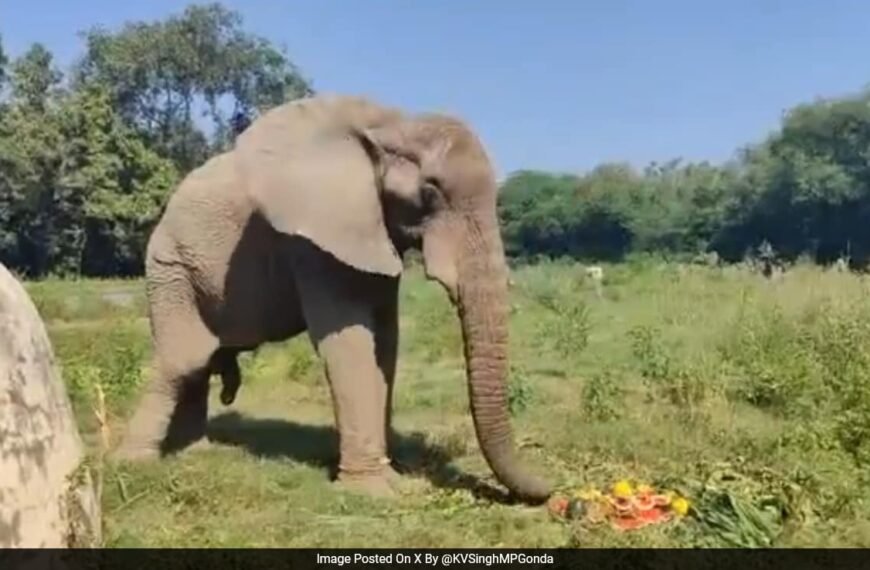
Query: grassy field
(752, 397)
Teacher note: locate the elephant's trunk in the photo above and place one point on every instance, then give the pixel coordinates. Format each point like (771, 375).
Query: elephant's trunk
(482, 302)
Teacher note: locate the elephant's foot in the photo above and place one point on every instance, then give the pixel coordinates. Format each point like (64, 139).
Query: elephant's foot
(203, 444)
(387, 483)
(187, 430)
(374, 485)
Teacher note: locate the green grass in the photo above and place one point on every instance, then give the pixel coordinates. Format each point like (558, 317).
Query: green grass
(750, 396)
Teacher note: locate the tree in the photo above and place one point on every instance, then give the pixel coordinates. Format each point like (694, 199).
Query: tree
(4, 61)
(34, 76)
(806, 189)
(553, 215)
(111, 188)
(86, 164)
(29, 159)
(159, 74)
(78, 188)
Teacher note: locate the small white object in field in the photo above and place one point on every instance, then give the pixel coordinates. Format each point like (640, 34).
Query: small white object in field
(710, 259)
(595, 272)
(777, 273)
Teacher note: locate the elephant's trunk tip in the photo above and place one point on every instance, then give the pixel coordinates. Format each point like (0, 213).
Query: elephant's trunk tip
(522, 485)
(533, 491)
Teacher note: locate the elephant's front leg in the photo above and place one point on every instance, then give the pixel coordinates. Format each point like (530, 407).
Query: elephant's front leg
(359, 397)
(343, 326)
(386, 351)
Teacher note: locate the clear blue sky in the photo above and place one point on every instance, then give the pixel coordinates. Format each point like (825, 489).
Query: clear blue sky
(557, 85)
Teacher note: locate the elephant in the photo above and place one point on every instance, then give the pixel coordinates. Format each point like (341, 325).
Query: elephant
(303, 227)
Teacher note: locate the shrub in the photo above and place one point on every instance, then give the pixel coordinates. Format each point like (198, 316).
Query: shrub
(112, 356)
(520, 392)
(602, 397)
(566, 325)
(814, 365)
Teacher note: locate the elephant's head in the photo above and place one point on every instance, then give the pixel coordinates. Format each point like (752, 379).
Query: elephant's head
(426, 183)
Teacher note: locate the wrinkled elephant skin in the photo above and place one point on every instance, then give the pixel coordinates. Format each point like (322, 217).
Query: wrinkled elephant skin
(302, 227)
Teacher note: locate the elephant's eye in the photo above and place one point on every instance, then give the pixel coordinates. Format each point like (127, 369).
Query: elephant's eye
(430, 194)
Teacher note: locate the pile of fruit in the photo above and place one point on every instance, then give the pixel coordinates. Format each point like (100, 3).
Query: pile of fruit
(626, 508)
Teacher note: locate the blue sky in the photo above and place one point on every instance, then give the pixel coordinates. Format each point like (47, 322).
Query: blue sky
(556, 85)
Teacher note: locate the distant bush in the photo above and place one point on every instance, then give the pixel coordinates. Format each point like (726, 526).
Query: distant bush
(565, 325)
(602, 397)
(814, 366)
(520, 392)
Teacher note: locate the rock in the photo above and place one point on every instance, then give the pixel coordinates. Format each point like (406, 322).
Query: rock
(47, 497)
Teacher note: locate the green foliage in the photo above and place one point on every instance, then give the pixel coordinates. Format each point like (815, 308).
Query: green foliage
(814, 365)
(148, 102)
(774, 369)
(569, 330)
(520, 391)
(32, 235)
(112, 356)
(602, 397)
(565, 326)
(756, 475)
(438, 332)
(160, 72)
(81, 190)
(93, 300)
(4, 61)
(549, 215)
(294, 360)
(655, 362)
(123, 185)
(681, 383)
(804, 190)
(739, 523)
(34, 77)
(86, 165)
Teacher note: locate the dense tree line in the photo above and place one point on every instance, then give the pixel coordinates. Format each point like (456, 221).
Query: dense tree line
(804, 191)
(88, 156)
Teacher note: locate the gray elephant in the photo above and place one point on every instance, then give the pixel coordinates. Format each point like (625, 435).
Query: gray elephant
(302, 227)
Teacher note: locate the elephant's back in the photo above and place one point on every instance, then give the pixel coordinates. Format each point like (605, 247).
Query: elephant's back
(299, 121)
(208, 208)
(202, 226)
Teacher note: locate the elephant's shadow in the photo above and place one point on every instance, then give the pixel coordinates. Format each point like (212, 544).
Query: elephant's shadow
(317, 445)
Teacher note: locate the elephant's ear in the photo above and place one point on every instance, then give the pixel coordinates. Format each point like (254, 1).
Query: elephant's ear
(324, 187)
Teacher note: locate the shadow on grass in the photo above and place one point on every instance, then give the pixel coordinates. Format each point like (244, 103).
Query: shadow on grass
(317, 445)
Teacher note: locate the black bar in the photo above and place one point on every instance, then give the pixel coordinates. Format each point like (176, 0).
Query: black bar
(279, 559)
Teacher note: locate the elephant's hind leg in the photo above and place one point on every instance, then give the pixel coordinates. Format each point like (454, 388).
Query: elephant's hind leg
(189, 417)
(173, 411)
